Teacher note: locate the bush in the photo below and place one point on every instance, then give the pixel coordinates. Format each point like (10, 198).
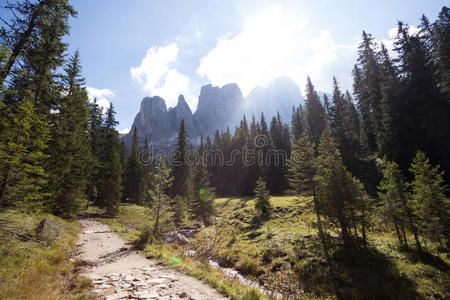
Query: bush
(249, 266)
(144, 237)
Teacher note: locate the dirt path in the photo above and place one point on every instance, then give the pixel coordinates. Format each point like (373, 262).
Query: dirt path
(121, 273)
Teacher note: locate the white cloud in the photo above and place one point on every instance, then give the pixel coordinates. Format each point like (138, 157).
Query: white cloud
(157, 77)
(275, 42)
(124, 131)
(104, 96)
(392, 33)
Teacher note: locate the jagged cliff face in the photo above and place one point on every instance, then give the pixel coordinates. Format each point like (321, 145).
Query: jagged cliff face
(279, 96)
(217, 108)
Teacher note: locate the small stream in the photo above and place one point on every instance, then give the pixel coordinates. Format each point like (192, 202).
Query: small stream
(233, 273)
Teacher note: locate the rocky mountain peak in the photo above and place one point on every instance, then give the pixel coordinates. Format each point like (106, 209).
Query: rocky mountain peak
(218, 107)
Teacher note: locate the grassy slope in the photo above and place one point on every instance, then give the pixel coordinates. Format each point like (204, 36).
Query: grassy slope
(286, 247)
(284, 254)
(30, 270)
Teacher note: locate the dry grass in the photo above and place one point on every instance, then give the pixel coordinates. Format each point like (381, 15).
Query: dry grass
(30, 270)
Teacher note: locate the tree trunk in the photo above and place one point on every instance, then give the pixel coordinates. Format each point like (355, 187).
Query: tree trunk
(3, 186)
(158, 209)
(405, 239)
(319, 225)
(23, 40)
(398, 234)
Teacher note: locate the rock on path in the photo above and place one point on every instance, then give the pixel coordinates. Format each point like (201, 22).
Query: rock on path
(121, 273)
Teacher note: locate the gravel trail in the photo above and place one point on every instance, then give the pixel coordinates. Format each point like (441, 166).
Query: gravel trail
(119, 272)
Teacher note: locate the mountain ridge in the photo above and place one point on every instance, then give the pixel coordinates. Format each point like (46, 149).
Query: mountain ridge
(217, 109)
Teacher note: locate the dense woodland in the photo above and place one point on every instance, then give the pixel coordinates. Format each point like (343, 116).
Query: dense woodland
(379, 150)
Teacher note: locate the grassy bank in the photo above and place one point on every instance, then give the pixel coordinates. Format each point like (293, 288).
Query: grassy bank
(285, 256)
(131, 220)
(38, 268)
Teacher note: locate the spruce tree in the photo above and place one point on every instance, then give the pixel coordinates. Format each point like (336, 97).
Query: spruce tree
(315, 113)
(202, 205)
(33, 22)
(263, 206)
(70, 154)
(95, 134)
(110, 180)
(133, 181)
(298, 122)
(162, 182)
(367, 88)
(23, 142)
(147, 168)
(179, 210)
(302, 168)
(180, 168)
(395, 203)
(430, 203)
(340, 194)
(441, 29)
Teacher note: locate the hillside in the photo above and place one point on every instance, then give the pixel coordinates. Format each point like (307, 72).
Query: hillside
(284, 256)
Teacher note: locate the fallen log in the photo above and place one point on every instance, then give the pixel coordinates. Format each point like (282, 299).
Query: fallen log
(24, 237)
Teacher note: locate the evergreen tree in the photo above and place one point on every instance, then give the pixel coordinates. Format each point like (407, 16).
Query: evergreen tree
(390, 87)
(70, 154)
(162, 182)
(23, 141)
(341, 196)
(424, 122)
(344, 124)
(395, 203)
(32, 21)
(95, 134)
(327, 107)
(147, 168)
(180, 168)
(298, 122)
(315, 113)
(441, 29)
(277, 156)
(202, 205)
(302, 168)
(133, 183)
(179, 214)
(430, 203)
(262, 205)
(110, 180)
(367, 88)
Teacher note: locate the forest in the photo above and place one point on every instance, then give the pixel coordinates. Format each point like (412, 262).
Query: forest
(368, 163)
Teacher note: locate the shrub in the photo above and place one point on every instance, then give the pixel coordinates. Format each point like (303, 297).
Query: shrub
(249, 266)
(144, 237)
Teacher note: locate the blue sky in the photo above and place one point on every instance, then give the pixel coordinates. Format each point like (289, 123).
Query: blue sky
(136, 48)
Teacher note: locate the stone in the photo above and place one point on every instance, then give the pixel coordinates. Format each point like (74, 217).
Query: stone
(195, 297)
(125, 285)
(162, 287)
(145, 295)
(99, 280)
(155, 281)
(120, 295)
(175, 236)
(183, 295)
(171, 277)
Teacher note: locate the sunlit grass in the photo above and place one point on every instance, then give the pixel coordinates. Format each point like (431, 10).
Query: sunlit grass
(30, 270)
(286, 247)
